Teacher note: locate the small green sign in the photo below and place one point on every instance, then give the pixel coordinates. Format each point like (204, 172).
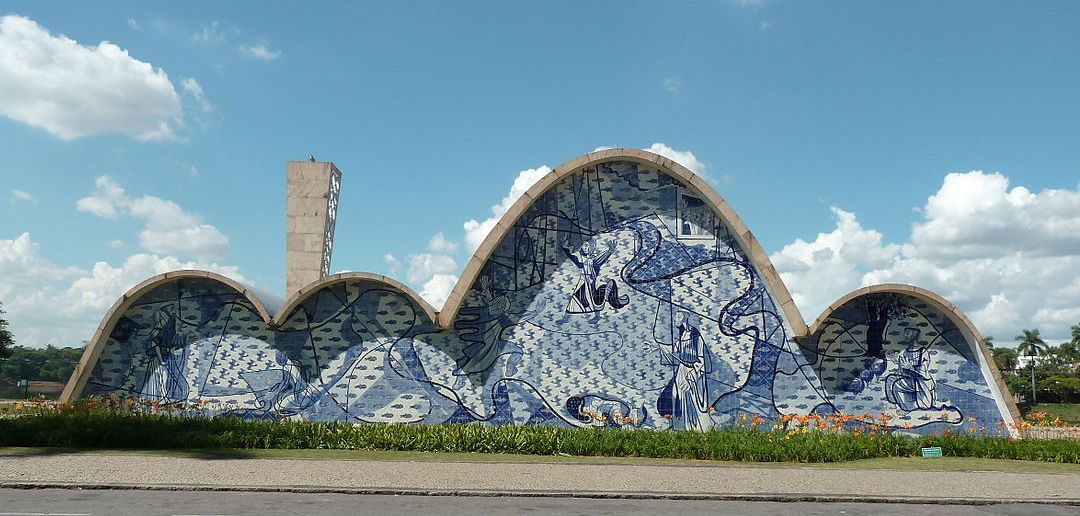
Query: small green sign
(23, 382)
(934, 451)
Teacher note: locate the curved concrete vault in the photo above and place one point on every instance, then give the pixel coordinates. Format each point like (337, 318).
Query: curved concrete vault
(619, 290)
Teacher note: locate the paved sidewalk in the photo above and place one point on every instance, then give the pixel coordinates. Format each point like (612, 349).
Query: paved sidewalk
(137, 471)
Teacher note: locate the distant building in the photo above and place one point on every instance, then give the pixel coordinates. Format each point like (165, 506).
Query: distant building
(1024, 361)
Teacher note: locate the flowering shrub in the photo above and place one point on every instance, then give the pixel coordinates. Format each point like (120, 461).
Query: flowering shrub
(125, 422)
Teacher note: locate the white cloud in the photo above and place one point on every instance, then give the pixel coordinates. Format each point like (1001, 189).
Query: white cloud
(21, 265)
(169, 229)
(684, 158)
(49, 303)
(977, 215)
(1008, 257)
(431, 274)
(819, 272)
(393, 263)
(172, 230)
(209, 32)
(21, 196)
(440, 244)
(672, 84)
(133, 24)
(424, 266)
(103, 202)
(72, 90)
(261, 51)
(475, 231)
(116, 244)
(438, 288)
(192, 87)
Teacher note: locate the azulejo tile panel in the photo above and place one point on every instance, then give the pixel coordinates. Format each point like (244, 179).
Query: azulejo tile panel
(618, 298)
(895, 354)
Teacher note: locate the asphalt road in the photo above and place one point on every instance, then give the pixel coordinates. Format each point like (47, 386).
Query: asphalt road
(71, 502)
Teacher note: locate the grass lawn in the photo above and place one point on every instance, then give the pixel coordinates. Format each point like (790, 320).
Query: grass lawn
(888, 463)
(1069, 412)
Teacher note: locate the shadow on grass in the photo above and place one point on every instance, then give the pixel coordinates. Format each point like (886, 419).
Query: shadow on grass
(195, 453)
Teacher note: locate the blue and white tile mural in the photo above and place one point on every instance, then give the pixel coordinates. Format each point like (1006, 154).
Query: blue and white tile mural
(618, 298)
(894, 354)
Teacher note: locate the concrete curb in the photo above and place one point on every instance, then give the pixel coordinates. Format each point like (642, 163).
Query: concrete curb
(749, 497)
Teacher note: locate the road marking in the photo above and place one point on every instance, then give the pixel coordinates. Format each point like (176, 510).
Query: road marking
(45, 514)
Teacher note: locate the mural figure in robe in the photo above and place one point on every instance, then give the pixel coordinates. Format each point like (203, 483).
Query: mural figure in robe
(912, 387)
(167, 350)
(590, 298)
(689, 389)
(282, 390)
(481, 327)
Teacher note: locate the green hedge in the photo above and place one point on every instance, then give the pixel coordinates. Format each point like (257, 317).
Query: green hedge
(119, 430)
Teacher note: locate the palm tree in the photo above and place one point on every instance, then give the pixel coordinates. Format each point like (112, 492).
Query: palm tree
(1031, 345)
(1069, 351)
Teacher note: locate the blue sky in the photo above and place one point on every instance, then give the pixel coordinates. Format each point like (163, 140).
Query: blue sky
(831, 128)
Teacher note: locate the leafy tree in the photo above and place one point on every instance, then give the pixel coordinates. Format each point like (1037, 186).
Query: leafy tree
(1005, 358)
(1031, 345)
(1016, 384)
(1069, 352)
(1064, 388)
(7, 340)
(51, 364)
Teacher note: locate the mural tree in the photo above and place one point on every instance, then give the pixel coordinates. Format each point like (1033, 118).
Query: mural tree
(880, 309)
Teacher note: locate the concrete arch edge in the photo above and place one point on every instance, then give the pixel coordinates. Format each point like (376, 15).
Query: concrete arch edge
(90, 356)
(77, 382)
(313, 288)
(749, 243)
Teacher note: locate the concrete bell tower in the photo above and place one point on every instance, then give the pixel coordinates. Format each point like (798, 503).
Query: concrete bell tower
(311, 190)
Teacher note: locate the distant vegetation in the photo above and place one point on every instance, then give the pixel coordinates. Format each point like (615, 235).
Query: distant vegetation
(7, 340)
(1056, 369)
(49, 364)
